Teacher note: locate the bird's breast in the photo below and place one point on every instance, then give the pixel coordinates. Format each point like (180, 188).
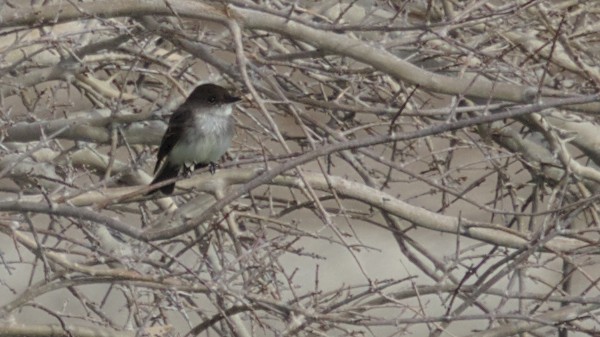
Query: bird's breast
(204, 140)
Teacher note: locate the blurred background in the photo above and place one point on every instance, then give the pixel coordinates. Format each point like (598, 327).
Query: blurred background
(422, 168)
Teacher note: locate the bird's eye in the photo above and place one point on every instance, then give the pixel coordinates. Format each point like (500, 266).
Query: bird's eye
(212, 99)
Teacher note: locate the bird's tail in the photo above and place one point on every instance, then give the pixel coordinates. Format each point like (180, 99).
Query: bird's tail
(166, 172)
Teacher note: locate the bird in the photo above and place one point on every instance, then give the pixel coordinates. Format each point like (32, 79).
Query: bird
(199, 133)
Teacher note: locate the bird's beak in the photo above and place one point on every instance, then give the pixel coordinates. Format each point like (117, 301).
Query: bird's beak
(232, 99)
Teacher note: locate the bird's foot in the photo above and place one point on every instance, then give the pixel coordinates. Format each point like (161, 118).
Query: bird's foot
(188, 170)
(212, 167)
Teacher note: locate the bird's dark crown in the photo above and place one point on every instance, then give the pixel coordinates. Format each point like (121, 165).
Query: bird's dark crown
(211, 94)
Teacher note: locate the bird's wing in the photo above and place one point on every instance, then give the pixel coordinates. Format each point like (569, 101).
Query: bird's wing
(173, 133)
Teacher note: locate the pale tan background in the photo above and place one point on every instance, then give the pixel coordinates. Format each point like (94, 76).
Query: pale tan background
(291, 274)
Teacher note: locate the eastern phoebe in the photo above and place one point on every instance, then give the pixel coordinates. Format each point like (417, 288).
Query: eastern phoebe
(199, 133)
